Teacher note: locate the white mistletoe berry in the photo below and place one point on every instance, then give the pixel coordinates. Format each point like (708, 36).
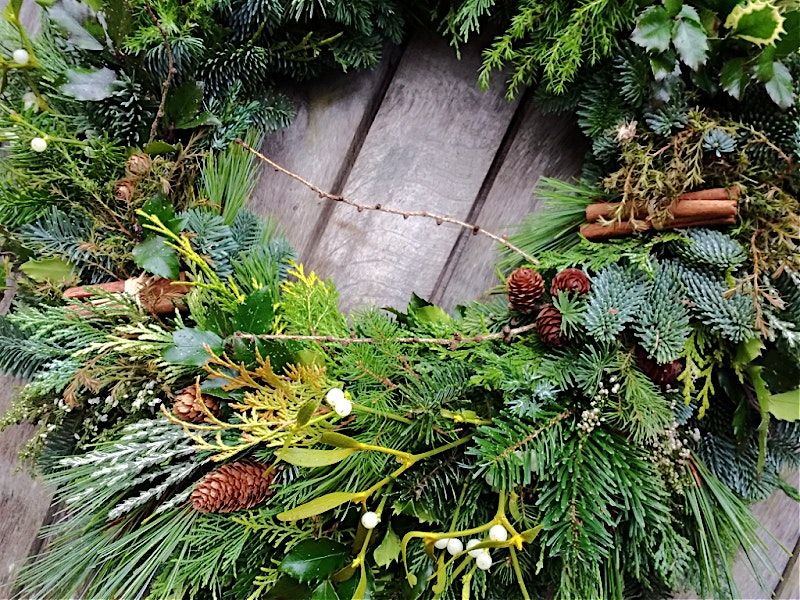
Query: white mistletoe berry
(483, 561)
(38, 144)
(454, 546)
(471, 544)
(334, 396)
(370, 520)
(441, 544)
(498, 533)
(29, 101)
(21, 56)
(343, 408)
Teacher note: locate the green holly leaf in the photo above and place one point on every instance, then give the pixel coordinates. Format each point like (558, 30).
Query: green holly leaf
(191, 347)
(309, 457)
(757, 21)
(789, 42)
(360, 588)
(785, 406)
(159, 147)
(314, 560)
(733, 77)
(325, 591)
(779, 86)
(388, 550)
(49, 270)
(159, 206)
(287, 588)
(156, 257)
(689, 38)
(653, 29)
(255, 314)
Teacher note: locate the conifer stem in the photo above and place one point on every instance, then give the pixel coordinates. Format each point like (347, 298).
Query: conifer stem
(171, 70)
(439, 219)
(506, 335)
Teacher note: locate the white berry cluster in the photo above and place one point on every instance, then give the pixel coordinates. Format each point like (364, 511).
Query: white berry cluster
(483, 559)
(21, 57)
(590, 418)
(339, 402)
(671, 453)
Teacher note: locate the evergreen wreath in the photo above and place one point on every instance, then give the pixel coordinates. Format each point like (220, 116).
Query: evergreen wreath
(217, 428)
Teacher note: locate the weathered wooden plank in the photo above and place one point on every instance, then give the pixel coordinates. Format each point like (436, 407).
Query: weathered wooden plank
(780, 518)
(24, 501)
(789, 588)
(430, 147)
(543, 145)
(333, 117)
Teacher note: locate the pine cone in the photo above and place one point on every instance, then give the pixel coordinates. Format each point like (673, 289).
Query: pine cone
(570, 280)
(138, 165)
(234, 486)
(187, 408)
(660, 374)
(548, 325)
(124, 189)
(525, 289)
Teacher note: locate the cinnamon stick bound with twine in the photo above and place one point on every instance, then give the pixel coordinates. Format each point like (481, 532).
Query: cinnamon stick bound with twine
(704, 208)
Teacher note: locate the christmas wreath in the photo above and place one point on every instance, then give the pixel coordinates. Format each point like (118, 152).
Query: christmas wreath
(217, 428)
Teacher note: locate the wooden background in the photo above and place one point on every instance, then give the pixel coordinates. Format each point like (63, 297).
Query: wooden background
(413, 133)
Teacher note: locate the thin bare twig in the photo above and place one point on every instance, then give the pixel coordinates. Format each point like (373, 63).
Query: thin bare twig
(475, 229)
(452, 342)
(171, 70)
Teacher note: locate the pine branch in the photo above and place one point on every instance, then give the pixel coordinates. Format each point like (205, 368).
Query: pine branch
(476, 229)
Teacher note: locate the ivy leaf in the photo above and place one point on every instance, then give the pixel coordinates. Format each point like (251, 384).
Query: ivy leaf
(309, 457)
(314, 560)
(734, 78)
(317, 506)
(388, 550)
(87, 85)
(156, 257)
(324, 591)
(51, 270)
(690, 38)
(785, 406)
(653, 29)
(255, 314)
(189, 347)
(779, 87)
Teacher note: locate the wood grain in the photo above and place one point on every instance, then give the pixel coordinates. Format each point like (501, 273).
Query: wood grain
(430, 147)
(543, 145)
(333, 117)
(780, 518)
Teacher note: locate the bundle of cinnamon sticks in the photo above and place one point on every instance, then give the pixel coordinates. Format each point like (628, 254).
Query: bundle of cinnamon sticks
(704, 208)
(156, 295)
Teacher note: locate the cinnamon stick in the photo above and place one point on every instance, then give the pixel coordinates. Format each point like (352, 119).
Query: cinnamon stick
(596, 231)
(87, 291)
(701, 209)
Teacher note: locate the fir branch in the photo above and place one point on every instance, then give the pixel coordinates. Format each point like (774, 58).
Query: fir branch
(475, 229)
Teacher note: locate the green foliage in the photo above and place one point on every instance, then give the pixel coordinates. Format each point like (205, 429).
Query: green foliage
(711, 249)
(547, 40)
(662, 322)
(614, 303)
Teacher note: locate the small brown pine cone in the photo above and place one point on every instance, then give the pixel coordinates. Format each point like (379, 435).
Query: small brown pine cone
(138, 165)
(124, 189)
(234, 486)
(660, 374)
(187, 407)
(570, 280)
(548, 325)
(525, 288)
